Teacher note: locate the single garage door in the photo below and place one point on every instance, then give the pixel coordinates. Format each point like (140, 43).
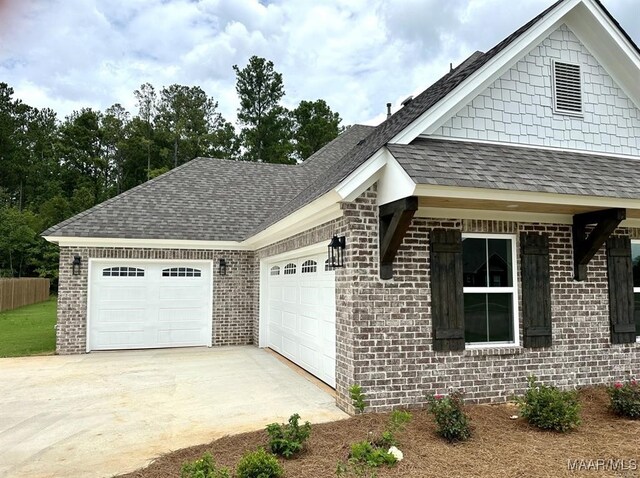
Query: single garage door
(302, 314)
(144, 304)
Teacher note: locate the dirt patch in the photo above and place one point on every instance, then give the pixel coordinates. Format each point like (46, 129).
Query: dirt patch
(500, 447)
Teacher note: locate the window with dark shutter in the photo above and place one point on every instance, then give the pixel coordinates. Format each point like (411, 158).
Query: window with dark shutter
(635, 262)
(447, 298)
(536, 290)
(567, 88)
(621, 295)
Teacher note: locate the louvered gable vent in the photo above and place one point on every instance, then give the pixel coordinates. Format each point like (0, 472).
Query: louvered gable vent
(567, 88)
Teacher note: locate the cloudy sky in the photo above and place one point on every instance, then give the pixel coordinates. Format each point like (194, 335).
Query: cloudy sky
(355, 54)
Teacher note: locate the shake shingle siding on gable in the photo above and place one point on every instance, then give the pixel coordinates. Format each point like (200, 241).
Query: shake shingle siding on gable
(493, 166)
(518, 107)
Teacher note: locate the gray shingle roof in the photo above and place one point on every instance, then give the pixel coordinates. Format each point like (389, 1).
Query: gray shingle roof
(205, 199)
(493, 166)
(399, 121)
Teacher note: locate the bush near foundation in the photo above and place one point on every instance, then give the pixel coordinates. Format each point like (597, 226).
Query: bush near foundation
(549, 408)
(625, 399)
(452, 423)
(288, 439)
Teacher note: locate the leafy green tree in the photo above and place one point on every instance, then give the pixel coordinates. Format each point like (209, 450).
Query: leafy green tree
(314, 126)
(17, 237)
(147, 99)
(190, 120)
(266, 125)
(114, 132)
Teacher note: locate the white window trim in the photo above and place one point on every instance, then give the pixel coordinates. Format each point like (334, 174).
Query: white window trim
(636, 290)
(495, 290)
(554, 101)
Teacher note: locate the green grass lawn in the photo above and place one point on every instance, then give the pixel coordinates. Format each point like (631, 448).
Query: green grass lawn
(28, 330)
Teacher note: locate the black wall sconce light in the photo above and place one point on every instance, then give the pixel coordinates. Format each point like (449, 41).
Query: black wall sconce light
(77, 262)
(222, 268)
(335, 252)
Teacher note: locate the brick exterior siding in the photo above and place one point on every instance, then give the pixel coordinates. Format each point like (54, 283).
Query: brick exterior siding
(384, 332)
(384, 327)
(233, 312)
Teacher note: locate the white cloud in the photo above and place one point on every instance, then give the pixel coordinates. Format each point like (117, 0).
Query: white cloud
(355, 54)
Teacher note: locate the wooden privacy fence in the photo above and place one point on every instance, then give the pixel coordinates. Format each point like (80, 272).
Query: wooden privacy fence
(15, 293)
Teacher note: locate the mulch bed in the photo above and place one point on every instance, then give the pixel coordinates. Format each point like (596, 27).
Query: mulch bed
(500, 447)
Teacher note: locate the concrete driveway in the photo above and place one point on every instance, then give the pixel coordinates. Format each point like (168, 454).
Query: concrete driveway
(106, 413)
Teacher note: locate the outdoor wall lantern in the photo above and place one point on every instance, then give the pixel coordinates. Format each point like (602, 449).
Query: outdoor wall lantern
(222, 268)
(77, 262)
(335, 252)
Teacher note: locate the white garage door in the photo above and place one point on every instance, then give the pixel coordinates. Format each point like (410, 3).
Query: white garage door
(302, 314)
(141, 304)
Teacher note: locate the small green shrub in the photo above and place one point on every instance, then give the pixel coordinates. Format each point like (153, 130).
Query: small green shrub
(367, 455)
(205, 467)
(259, 464)
(452, 423)
(549, 408)
(397, 423)
(625, 399)
(357, 398)
(288, 439)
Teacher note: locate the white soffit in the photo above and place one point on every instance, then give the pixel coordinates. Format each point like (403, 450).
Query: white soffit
(394, 182)
(525, 196)
(363, 177)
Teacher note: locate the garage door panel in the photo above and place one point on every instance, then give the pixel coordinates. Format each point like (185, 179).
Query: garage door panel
(121, 316)
(289, 321)
(309, 326)
(301, 314)
(290, 293)
(289, 347)
(181, 292)
(150, 310)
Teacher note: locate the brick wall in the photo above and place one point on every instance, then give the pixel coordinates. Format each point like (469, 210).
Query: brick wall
(233, 303)
(385, 336)
(518, 107)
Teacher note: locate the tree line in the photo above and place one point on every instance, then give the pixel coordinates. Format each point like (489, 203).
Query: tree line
(51, 169)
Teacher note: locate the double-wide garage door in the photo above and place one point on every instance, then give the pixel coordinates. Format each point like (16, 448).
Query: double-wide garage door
(144, 304)
(302, 315)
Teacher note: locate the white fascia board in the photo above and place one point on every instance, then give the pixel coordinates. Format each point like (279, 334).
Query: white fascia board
(493, 215)
(433, 118)
(324, 209)
(525, 196)
(363, 177)
(394, 182)
(512, 216)
(609, 46)
(64, 241)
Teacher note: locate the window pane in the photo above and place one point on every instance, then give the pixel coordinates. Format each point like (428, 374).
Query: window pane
(500, 317)
(488, 318)
(500, 263)
(475, 317)
(637, 313)
(474, 257)
(635, 257)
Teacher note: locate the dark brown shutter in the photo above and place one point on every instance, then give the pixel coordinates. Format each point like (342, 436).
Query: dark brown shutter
(447, 297)
(536, 290)
(620, 270)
